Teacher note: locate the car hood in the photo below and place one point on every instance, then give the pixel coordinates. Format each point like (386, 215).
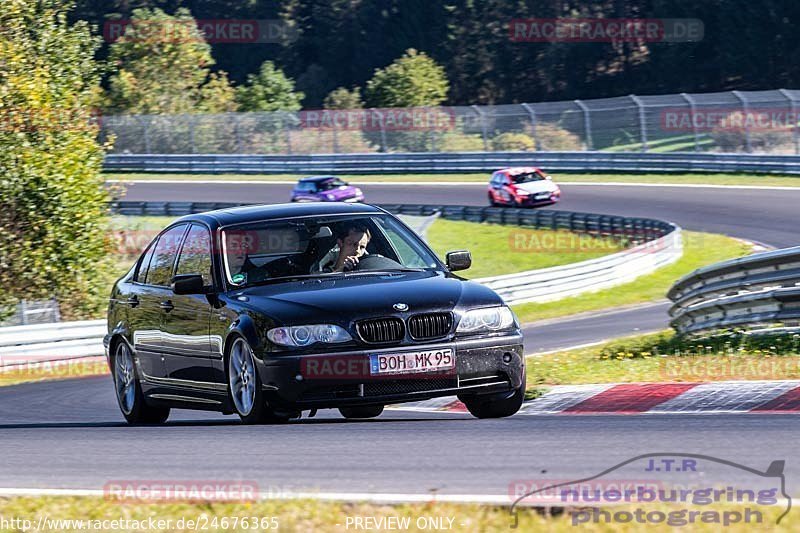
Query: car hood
(534, 187)
(361, 296)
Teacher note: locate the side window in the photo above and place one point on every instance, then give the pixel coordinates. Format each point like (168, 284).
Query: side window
(164, 256)
(195, 257)
(144, 264)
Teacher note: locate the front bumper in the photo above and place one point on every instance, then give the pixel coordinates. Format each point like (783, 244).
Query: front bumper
(483, 366)
(531, 200)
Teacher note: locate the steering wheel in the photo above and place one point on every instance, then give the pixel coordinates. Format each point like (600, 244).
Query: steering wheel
(377, 262)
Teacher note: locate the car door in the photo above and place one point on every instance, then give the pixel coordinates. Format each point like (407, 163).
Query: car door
(186, 327)
(146, 314)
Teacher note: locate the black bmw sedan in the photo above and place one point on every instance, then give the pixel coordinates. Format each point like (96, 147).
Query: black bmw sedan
(269, 311)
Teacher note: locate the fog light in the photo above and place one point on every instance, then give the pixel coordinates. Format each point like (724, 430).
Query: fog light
(507, 357)
(299, 377)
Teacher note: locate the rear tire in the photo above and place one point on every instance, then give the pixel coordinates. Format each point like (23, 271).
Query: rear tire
(367, 411)
(495, 405)
(244, 387)
(130, 397)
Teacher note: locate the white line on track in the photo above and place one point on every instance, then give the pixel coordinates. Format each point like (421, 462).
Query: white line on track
(498, 499)
(459, 184)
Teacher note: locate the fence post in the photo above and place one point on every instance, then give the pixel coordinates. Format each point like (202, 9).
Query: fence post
(532, 113)
(384, 147)
(642, 123)
(793, 105)
(286, 126)
(587, 124)
(237, 137)
(483, 126)
(191, 133)
(748, 146)
(145, 132)
(690, 101)
(23, 312)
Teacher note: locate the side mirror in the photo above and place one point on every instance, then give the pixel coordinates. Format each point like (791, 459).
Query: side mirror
(188, 284)
(548, 177)
(458, 260)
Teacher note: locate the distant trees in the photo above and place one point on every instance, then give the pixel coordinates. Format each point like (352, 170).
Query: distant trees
(161, 65)
(269, 90)
(412, 80)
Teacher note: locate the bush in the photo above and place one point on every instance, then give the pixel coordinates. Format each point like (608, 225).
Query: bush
(730, 135)
(53, 221)
(554, 138)
(513, 142)
(453, 141)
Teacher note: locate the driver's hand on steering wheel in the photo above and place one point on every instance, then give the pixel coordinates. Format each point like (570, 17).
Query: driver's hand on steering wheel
(349, 263)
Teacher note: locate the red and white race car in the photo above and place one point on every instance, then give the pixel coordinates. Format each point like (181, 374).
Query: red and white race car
(522, 187)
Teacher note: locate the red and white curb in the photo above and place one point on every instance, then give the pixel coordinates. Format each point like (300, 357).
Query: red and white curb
(648, 398)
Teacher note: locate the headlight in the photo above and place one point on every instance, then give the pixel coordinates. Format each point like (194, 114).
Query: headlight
(305, 335)
(488, 319)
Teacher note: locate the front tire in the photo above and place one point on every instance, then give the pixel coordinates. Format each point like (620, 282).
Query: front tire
(244, 387)
(130, 397)
(495, 405)
(367, 411)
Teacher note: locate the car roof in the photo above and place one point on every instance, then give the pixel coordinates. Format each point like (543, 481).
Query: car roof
(317, 178)
(253, 213)
(513, 171)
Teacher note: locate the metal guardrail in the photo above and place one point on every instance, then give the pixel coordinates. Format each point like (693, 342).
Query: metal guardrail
(658, 243)
(450, 162)
(51, 342)
(758, 292)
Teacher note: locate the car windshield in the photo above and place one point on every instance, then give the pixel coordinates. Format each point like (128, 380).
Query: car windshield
(268, 251)
(527, 177)
(331, 184)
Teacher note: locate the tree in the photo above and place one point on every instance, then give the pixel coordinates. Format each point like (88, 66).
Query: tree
(412, 80)
(53, 221)
(269, 90)
(163, 67)
(341, 98)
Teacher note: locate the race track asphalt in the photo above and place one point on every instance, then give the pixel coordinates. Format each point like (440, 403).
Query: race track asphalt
(70, 434)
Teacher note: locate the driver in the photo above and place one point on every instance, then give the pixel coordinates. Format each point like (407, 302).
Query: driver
(352, 240)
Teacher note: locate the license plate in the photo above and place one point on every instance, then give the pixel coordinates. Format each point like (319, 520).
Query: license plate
(542, 196)
(412, 362)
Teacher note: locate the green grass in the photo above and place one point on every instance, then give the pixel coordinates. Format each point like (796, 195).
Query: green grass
(663, 357)
(763, 180)
(498, 250)
(700, 249)
(314, 515)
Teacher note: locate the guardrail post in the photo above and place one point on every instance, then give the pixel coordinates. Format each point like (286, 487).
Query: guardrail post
(690, 101)
(793, 106)
(748, 146)
(642, 123)
(23, 312)
(532, 113)
(484, 132)
(587, 124)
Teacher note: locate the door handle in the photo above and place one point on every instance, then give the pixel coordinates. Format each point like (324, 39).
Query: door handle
(166, 306)
(133, 301)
